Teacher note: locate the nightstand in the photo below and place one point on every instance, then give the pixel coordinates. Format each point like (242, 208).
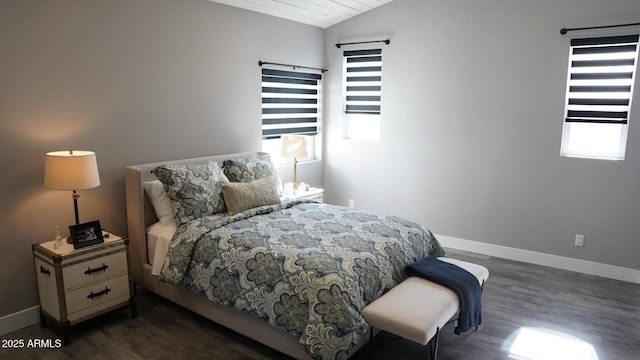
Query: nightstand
(316, 194)
(78, 284)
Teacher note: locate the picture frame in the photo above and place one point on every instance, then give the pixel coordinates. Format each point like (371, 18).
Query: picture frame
(86, 234)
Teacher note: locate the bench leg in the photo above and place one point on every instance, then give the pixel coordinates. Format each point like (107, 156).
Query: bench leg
(481, 288)
(433, 345)
(371, 342)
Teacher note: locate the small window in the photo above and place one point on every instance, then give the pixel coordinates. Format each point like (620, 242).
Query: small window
(290, 106)
(362, 93)
(598, 98)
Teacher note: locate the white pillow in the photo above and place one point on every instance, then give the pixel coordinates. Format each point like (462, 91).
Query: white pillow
(160, 201)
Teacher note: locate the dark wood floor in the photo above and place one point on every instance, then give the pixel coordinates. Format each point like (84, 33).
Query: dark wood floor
(601, 312)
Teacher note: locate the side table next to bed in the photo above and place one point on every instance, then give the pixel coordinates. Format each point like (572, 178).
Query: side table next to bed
(75, 285)
(315, 194)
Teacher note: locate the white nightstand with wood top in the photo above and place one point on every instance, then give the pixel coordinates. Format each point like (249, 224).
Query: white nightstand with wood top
(78, 284)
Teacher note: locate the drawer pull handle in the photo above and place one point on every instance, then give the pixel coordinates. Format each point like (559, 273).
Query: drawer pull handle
(103, 292)
(101, 268)
(44, 271)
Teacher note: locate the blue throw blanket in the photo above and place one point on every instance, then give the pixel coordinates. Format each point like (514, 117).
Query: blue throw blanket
(460, 281)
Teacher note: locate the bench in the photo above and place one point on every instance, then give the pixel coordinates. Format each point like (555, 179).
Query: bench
(403, 310)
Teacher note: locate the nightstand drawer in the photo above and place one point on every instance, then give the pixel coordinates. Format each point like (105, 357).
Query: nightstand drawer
(97, 296)
(94, 270)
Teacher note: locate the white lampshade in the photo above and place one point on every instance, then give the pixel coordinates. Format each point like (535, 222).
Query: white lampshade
(294, 146)
(71, 170)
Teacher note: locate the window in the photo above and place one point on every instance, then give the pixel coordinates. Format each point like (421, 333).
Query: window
(290, 105)
(362, 93)
(599, 92)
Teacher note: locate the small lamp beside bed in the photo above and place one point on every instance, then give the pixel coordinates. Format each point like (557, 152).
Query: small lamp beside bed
(294, 146)
(71, 170)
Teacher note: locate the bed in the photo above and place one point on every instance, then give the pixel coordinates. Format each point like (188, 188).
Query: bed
(289, 273)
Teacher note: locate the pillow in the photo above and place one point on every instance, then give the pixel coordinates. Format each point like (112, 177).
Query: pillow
(160, 201)
(249, 169)
(244, 196)
(194, 189)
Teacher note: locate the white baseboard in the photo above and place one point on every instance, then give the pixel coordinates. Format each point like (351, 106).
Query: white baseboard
(19, 320)
(532, 257)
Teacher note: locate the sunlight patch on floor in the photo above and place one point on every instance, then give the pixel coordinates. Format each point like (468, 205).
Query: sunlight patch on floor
(545, 344)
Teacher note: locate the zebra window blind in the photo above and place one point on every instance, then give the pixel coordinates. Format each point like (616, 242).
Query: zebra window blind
(363, 81)
(290, 103)
(601, 76)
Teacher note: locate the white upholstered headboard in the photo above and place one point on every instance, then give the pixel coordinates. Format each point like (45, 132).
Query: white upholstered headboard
(140, 213)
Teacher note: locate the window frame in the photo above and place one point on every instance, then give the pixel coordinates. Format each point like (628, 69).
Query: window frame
(598, 99)
(291, 103)
(362, 93)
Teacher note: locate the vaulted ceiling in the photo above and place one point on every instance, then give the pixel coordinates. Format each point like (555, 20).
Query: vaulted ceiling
(320, 13)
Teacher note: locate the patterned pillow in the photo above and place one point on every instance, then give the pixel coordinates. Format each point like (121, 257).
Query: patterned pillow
(249, 169)
(244, 196)
(194, 189)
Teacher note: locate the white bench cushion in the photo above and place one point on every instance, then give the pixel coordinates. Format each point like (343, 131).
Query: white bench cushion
(413, 310)
(416, 308)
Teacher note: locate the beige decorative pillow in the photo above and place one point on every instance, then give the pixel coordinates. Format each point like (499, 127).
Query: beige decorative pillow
(239, 197)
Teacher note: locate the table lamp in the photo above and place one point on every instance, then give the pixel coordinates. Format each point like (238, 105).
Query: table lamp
(294, 146)
(71, 170)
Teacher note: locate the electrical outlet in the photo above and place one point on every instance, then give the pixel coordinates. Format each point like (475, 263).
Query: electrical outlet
(352, 203)
(579, 240)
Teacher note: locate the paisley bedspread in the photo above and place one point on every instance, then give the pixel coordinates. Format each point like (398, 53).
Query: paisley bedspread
(306, 268)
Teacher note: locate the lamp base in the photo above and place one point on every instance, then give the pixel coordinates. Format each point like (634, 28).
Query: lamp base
(295, 182)
(75, 209)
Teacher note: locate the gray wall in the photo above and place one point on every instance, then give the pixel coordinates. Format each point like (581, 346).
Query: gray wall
(472, 112)
(133, 80)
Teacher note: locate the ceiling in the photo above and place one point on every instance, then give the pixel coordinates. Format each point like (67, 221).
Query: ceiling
(320, 13)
